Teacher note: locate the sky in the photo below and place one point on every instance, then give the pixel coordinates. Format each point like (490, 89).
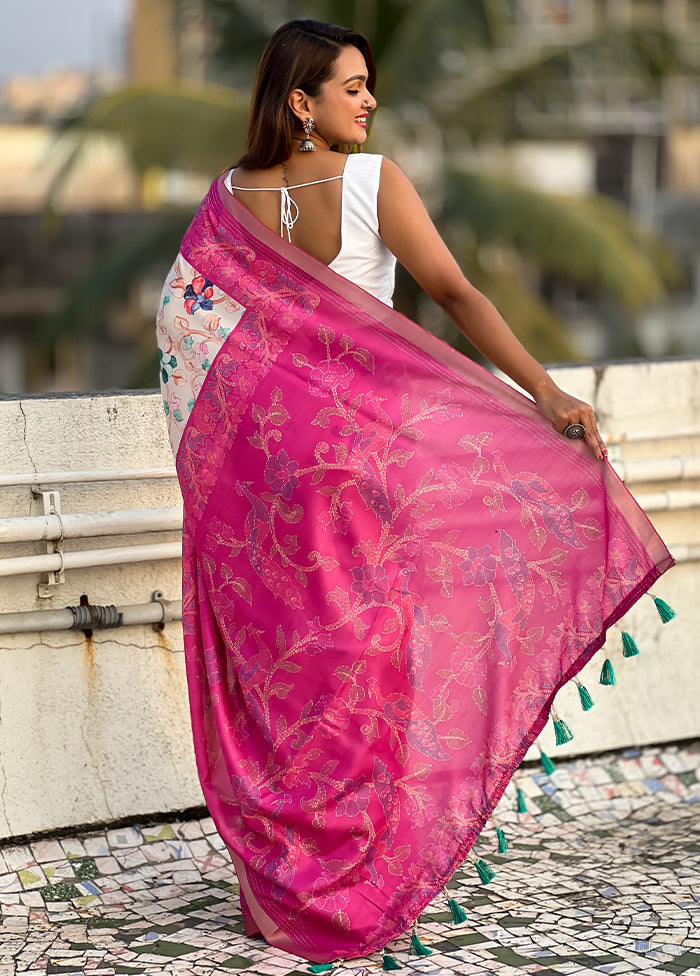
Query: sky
(40, 35)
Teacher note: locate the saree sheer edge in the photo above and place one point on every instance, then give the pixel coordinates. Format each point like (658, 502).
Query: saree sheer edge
(286, 293)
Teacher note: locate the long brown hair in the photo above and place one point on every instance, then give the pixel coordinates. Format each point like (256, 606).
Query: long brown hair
(300, 54)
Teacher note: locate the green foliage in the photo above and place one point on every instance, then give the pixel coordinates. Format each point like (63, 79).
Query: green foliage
(239, 36)
(589, 240)
(178, 125)
(409, 39)
(534, 322)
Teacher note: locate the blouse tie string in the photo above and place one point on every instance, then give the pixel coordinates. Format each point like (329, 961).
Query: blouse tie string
(289, 213)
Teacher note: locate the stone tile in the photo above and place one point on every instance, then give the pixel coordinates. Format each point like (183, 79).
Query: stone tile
(96, 845)
(124, 837)
(615, 890)
(190, 830)
(47, 850)
(73, 848)
(32, 878)
(131, 858)
(156, 852)
(18, 858)
(108, 865)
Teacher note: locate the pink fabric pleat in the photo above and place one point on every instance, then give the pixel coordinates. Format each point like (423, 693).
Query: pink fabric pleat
(391, 563)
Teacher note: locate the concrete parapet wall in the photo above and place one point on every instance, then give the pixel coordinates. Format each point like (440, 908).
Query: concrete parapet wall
(97, 729)
(91, 729)
(648, 411)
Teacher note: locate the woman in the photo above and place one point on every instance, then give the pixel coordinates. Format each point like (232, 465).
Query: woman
(392, 561)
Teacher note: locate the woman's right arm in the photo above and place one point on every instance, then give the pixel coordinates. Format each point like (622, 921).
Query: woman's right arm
(407, 230)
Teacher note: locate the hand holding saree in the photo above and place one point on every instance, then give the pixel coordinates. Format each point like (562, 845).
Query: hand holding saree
(391, 564)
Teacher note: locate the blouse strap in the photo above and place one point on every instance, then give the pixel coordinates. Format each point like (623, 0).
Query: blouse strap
(289, 211)
(294, 186)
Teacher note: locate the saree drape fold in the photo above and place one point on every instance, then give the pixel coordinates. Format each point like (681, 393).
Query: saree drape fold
(391, 564)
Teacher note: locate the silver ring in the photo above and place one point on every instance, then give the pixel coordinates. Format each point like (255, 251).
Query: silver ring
(575, 432)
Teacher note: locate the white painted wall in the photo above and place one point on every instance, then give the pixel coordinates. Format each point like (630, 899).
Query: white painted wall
(93, 731)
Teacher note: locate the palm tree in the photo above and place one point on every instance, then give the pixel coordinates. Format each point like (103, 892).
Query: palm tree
(505, 235)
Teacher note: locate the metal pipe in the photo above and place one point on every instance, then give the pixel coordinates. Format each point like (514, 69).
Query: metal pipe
(677, 468)
(37, 528)
(689, 553)
(143, 613)
(665, 501)
(642, 436)
(73, 477)
(39, 621)
(141, 474)
(59, 561)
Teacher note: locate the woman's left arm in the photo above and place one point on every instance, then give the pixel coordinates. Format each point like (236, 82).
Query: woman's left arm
(408, 231)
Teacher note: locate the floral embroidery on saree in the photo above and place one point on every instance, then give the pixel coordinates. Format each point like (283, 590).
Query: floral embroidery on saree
(187, 341)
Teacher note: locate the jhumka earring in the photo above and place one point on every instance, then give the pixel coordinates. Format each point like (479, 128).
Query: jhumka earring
(306, 144)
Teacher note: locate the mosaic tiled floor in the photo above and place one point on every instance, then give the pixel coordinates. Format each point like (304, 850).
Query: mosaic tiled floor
(602, 876)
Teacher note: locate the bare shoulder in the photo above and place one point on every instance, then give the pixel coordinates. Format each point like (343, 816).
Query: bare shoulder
(397, 195)
(392, 174)
(255, 178)
(395, 188)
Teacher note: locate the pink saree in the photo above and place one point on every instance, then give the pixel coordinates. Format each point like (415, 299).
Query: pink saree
(391, 564)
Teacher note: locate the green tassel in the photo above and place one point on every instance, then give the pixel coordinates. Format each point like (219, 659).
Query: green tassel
(321, 968)
(485, 872)
(607, 675)
(522, 806)
(586, 700)
(562, 732)
(629, 647)
(665, 612)
(418, 947)
(547, 764)
(389, 963)
(458, 913)
(502, 840)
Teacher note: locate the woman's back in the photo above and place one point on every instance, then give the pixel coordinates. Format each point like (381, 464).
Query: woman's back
(317, 229)
(336, 223)
(333, 217)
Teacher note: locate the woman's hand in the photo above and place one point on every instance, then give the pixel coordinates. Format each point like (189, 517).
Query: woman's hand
(563, 409)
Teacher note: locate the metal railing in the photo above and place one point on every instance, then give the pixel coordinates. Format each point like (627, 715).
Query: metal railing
(156, 613)
(55, 526)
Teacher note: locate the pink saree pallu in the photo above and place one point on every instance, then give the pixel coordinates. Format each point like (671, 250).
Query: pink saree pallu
(391, 564)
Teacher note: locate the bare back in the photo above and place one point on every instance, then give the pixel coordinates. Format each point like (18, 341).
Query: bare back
(317, 229)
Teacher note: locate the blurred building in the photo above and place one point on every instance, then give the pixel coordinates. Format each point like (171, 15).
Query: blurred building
(613, 137)
(642, 150)
(47, 241)
(39, 254)
(642, 142)
(167, 40)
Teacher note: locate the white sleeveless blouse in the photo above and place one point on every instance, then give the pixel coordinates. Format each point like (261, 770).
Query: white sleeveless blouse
(190, 332)
(363, 257)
